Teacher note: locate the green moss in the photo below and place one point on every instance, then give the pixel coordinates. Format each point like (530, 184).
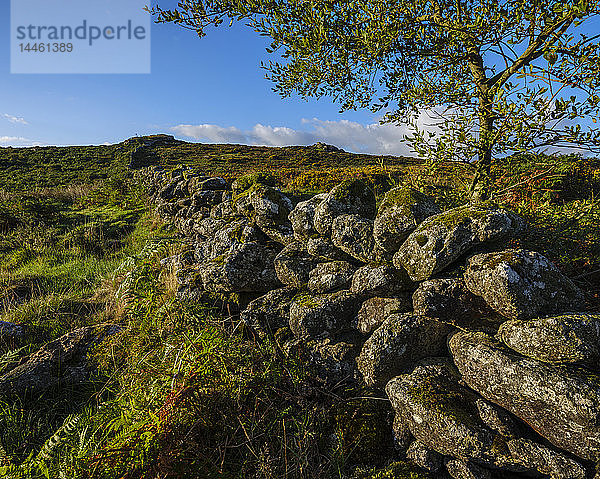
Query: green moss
(246, 181)
(396, 470)
(457, 216)
(350, 190)
(402, 198)
(306, 300)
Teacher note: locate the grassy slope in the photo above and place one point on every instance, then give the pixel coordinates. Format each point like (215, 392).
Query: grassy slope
(183, 392)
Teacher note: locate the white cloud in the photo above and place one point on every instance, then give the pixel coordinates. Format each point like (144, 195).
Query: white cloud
(15, 119)
(17, 141)
(352, 136)
(214, 133)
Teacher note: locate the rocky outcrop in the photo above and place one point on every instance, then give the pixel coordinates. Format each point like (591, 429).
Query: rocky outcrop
(62, 363)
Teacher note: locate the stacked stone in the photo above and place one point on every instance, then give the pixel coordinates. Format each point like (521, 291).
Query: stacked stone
(484, 352)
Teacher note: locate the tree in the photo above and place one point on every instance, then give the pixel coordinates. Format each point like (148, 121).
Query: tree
(496, 76)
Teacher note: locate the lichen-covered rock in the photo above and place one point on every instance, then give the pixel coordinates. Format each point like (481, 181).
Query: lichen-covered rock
(302, 217)
(375, 311)
(459, 469)
(222, 210)
(207, 227)
(246, 267)
(568, 338)
(446, 416)
(442, 414)
(349, 197)
(442, 239)
(208, 184)
(401, 341)
(228, 234)
(425, 457)
(269, 312)
(449, 301)
(331, 276)
(521, 284)
(380, 280)
(61, 363)
(544, 460)
(208, 198)
(561, 404)
(245, 182)
(294, 264)
(330, 360)
(403, 438)
(353, 234)
(401, 211)
(268, 208)
(312, 316)
(325, 250)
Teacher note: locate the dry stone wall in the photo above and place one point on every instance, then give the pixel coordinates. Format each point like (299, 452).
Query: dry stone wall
(487, 355)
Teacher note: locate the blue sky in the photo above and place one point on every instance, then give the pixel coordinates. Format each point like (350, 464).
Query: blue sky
(214, 84)
(210, 89)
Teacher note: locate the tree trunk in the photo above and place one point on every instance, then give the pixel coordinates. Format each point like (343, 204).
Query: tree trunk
(481, 183)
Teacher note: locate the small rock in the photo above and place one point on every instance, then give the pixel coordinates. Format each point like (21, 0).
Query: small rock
(317, 315)
(59, 364)
(425, 457)
(294, 264)
(331, 361)
(302, 217)
(459, 469)
(401, 211)
(331, 276)
(401, 341)
(380, 280)
(349, 197)
(245, 267)
(448, 300)
(269, 312)
(353, 234)
(325, 250)
(375, 311)
(536, 457)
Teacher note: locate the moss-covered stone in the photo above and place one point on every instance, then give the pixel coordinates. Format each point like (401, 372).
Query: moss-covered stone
(569, 338)
(521, 284)
(400, 212)
(561, 404)
(442, 239)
